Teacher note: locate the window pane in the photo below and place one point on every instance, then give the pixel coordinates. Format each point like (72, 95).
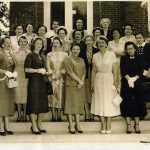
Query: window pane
(80, 11)
(58, 12)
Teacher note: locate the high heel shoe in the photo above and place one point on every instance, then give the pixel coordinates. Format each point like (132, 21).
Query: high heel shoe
(35, 132)
(137, 130)
(70, 131)
(42, 131)
(3, 133)
(77, 130)
(8, 132)
(127, 130)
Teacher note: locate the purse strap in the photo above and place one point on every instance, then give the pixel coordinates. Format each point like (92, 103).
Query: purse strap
(3, 78)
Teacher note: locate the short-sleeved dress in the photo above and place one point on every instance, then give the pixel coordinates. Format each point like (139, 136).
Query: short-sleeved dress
(74, 98)
(7, 95)
(55, 59)
(102, 96)
(22, 81)
(133, 104)
(37, 100)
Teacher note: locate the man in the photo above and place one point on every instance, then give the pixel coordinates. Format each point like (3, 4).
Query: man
(52, 33)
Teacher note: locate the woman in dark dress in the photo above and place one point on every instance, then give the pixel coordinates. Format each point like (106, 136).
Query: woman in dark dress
(132, 106)
(87, 55)
(37, 100)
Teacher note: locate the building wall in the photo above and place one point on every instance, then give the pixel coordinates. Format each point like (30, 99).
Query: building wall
(118, 12)
(25, 12)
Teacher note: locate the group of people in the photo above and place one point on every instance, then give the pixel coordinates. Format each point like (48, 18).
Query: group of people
(99, 74)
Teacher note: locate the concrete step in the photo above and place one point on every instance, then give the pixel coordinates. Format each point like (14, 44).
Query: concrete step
(58, 133)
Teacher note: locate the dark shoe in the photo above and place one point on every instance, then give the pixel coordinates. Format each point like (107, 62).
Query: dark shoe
(59, 119)
(54, 120)
(42, 131)
(72, 132)
(77, 130)
(128, 131)
(8, 132)
(18, 119)
(137, 130)
(35, 132)
(2, 133)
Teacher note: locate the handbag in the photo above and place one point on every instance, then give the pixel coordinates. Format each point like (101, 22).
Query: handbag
(48, 84)
(116, 100)
(11, 82)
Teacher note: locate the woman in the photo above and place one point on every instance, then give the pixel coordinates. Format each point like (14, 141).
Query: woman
(87, 55)
(7, 95)
(29, 32)
(22, 89)
(54, 59)
(103, 81)
(105, 25)
(14, 39)
(37, 100)
(77, 38)
(78, 26)
(97, 31)
(41, 31)
(132, 106)
(62, 33)
(117, 47)
(128, 34)
(74, 88)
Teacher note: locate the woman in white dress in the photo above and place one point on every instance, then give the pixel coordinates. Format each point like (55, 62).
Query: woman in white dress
(103, 81)
(54, 60)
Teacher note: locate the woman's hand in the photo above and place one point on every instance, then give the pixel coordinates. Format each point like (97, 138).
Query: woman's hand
(42, 71)
(9, 74)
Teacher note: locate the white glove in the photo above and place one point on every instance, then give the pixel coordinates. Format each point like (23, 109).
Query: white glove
(15, 74)
(42, 71)
(9, 74)
(131, 83)
(133, 79)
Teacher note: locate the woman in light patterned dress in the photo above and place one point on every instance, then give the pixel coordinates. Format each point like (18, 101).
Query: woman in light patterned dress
(103, 82)
(54, 60)
(117, 46)
(22, 89)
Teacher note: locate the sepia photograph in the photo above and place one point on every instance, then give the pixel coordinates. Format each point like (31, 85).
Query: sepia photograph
(74, 72)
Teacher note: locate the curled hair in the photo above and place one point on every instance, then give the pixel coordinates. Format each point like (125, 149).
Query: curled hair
(40, 27)
(18, 26)
(88, 36)
(140, 33)
(27, 25)
(57, 38)
(127, 24)
(107, 19)
(102, 37)
(97, 28)
(3, 40)
(22, 37)
(62, 28)
(74, 32)
(33, 44)
(74, 44)
(130, 43)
